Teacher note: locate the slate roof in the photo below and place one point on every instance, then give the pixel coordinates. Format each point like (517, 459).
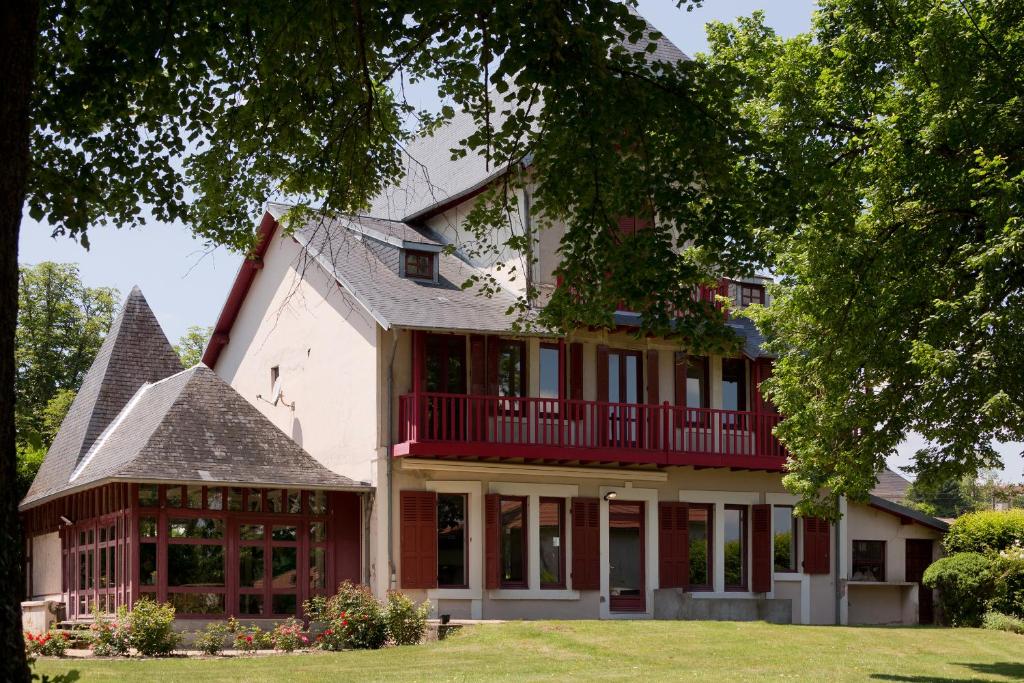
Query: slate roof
(910, 513)
(140, 416)
(891, 486)
(396, 301)
(134, 352)
(753, 341)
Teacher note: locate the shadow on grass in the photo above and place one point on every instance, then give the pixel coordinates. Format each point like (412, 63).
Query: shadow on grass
(1011, 670)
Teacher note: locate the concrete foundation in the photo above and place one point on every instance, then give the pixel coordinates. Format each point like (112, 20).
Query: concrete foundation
(674, 603)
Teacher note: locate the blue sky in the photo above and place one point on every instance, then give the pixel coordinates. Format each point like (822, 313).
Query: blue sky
(186, 283)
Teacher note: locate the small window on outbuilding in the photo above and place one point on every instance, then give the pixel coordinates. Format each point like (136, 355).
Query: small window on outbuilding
(275, 372)
(868, 561)
(419, 265)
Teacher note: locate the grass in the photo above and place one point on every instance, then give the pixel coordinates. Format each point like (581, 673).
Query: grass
(591, 650)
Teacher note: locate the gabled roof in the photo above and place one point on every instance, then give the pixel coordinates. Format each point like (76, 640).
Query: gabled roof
(890, 486)
(908, 514)
(140, 417)
(134, 352)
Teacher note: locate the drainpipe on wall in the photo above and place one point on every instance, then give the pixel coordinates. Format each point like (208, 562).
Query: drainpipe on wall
(368, 499)
(838, 563)
(392, 578)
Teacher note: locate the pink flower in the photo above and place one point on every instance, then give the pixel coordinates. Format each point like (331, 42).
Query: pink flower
(248, 639)
(305, 639)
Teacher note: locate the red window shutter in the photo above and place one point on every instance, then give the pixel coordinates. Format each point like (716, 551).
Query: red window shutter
(586, 539)
(602, 372)
(816, 546)
(627, 224)
(493, 358)
(477, 364)
(576, 371)
(418, 538)
(761, 548)
(653, 391)
(492, 541)
(673, 545)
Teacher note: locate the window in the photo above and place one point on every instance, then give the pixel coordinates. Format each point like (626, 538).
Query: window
(419, 265)
(868, 561)
(511, 368)
(513, 541)
(784, 529)
(734, 384)
(275, 372)
(551, 386)
(751, 294)
(451, 540)
(552, 543)
(735, 547)
(699, 526)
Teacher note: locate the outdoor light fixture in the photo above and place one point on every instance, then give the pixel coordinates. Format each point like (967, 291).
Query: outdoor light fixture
(66, 520)
(611, 495)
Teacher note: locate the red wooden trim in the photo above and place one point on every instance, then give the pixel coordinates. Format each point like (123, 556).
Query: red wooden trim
(586, 539)
(576, 371)
(602, 372)
(817, 546)
(762, 559)
(239, 290)
(673, 545)
(492, 541)
(632, 603)
(418, 538)
(477, 364)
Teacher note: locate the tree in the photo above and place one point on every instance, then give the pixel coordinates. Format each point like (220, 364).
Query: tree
(61, 325)
(190, 346)
(201, 110)
(950, 498)
(895, 130)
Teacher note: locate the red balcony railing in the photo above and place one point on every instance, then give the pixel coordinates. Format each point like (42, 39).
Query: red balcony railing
(553, 429)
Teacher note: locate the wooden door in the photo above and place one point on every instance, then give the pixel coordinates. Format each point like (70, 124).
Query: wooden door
(919, 556)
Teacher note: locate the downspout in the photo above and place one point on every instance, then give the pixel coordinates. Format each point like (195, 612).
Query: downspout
(392, 578)
(839, 565)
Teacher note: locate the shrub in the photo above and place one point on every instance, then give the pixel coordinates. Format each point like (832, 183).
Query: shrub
(53, 643)
(997, 621)
(988, 531)
(351, 618)
(288, 636)
(210, 641)
(151, 626)
(1008, 570)
(405, 621)
(110, 638)
(965, 583)
(249, 638)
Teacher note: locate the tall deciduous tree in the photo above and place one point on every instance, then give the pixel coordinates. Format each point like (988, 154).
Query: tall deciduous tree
(896, 129)
(190, 347)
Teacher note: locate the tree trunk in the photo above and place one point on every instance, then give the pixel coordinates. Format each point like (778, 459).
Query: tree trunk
(18, 26)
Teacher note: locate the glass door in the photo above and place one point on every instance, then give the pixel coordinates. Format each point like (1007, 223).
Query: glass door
(445, 374)
(626, 587)
(625, 382)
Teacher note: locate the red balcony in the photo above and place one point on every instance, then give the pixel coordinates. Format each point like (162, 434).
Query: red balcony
(554, 430)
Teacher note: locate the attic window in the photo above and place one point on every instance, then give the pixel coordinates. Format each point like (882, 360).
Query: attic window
(275, 372)
(419, 265)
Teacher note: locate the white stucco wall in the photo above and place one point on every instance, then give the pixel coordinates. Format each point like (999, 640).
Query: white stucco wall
(46, 561)
(324, 343)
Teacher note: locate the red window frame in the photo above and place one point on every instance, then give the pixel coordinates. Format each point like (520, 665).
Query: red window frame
(865, 563)
(465, 542)
(750, 294)
(744, 548)
(419, 265)
(524, 555)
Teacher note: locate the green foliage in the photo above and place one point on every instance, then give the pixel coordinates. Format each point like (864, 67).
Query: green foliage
(988, 531)
(151, 626)
(287, 636)
(947, 498)
(1008, 568)
(998, 621)
(54, 643)
(351, 618)
(733, 563)
(190, 347)
(30, 458)
(406, 622)
(210, 640)
(894, 130)
(249, 638)
(110, 638)
(965, 582)
(699, 562)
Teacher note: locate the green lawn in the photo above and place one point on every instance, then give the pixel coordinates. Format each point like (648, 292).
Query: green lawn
(588, 650)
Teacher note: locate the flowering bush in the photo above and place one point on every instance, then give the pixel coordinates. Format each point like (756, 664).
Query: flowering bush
(51, 644)
(352, 618)
(405, 621)
(210, 641)
(249, 638)
(288, 636)
(110, 638)
(151, 628)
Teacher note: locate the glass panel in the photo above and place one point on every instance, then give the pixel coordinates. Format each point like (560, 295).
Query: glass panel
(696, 383)
(699, 528)
(81, 571)
(285, 533)
(195, 565)
(147, 564)
(174, 496)
(735, 548)
(195, 497)
(149, 495)
(510, 369)
(318, 502)
(294, 502)
(733, 385)
(147, 527)
(284, 567)
(235, 499)
(197, 603)
(550, 372)
(513, 542)
(632, 376)
(215, 498)
(317, 532)
(250, 566)
(89, 566)
(251, 532)
(451, 540)
(274, 501)
(625, 555)
(868, 561)
(250, 604)
(551, 544)
(255, 500)
(784, 531)
(103, 568)
(613, 378)
(283, 604)
(196, 527)
(103, 534)
(317, 568)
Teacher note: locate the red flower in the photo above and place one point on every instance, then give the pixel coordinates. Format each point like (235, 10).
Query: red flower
(248, 639)
(329, 632)
(344, 622)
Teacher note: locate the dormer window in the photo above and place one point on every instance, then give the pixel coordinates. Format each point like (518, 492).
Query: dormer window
(419, 265)
(751, 294)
